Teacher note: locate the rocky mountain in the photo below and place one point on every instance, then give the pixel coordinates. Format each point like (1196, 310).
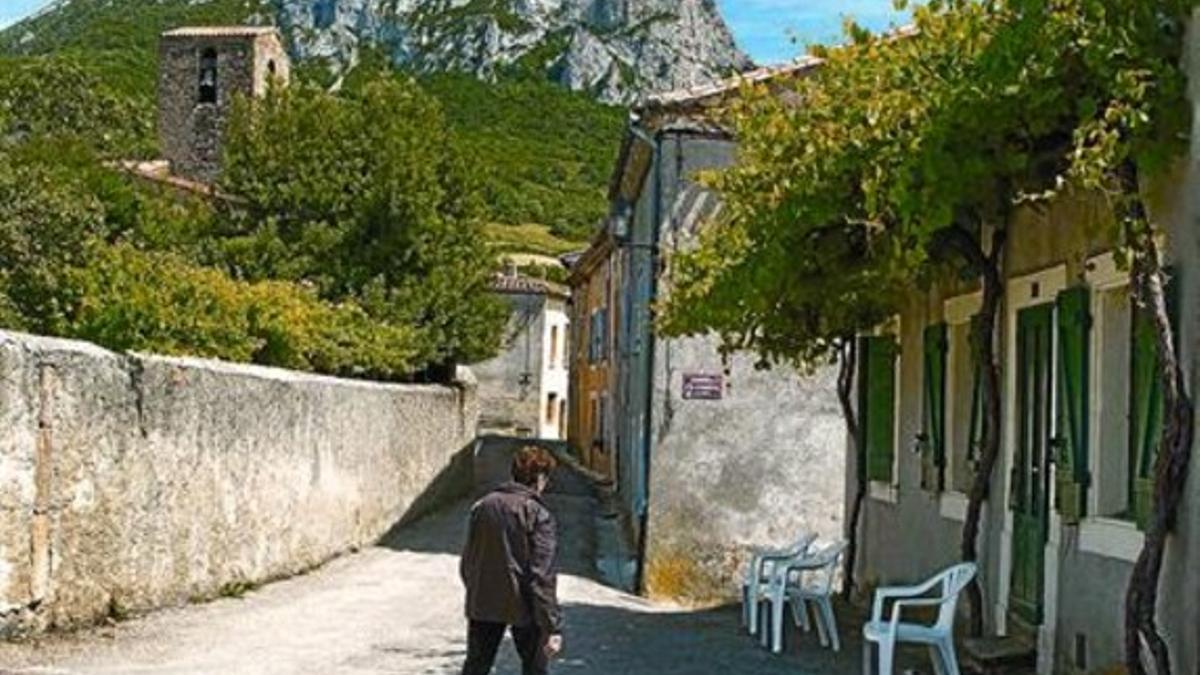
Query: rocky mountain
(615, 49)
(545, 153)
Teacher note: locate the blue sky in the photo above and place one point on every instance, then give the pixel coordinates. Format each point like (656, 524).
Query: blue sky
(11, 10)
(777, 30)
(769, 30)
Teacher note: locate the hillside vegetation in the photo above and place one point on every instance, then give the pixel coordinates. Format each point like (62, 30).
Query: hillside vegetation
(356, 252)
(543, 153)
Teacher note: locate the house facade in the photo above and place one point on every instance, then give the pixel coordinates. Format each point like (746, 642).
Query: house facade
(523, 391)
(594, 312)
(1081, 426)
(710, 455)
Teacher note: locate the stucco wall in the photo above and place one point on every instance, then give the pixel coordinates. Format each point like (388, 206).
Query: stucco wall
(555, 363)
(134, 482)
(507, 407)
(751, 469)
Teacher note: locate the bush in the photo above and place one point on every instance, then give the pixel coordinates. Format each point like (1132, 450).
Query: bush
(131, 300)
(61, 96)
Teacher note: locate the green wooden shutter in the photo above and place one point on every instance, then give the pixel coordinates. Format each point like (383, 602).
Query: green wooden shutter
(880, 407)
(1146, 402)
(933, 436)
(978, 397)
(1071, 444)
(861, 458)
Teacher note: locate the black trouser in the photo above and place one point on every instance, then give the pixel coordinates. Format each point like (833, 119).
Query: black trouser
(483, 641)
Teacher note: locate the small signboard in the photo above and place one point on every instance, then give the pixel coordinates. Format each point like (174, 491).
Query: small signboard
(703, 387)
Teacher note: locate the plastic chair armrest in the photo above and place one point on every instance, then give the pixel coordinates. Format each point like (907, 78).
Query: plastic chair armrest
(884, 593)
(899, 606)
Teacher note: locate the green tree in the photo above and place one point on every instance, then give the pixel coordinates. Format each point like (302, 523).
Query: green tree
(368, 198)
(911, 152)
(46, 218)
(60, 96)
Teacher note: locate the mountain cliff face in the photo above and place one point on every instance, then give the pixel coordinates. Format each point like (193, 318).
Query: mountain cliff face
(615, 49)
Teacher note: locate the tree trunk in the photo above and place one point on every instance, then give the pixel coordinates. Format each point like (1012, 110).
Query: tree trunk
(848, 361)
(1142, 639)
(962, 241)
(993, 291)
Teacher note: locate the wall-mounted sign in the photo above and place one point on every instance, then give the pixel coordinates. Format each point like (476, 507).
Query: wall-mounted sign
(703, 387)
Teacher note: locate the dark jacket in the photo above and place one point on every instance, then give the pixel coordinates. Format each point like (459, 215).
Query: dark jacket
(509, 565)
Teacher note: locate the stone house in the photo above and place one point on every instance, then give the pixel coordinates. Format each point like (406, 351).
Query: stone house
(710, 456)
(1061, 532)
(523, 390)
(594, 312)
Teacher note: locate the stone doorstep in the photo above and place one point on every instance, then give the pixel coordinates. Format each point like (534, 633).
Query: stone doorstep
(999, 655)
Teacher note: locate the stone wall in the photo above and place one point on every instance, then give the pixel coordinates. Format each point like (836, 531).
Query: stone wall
(134, 482)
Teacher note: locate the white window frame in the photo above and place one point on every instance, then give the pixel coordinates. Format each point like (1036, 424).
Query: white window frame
(1101, 535)
(956, 311)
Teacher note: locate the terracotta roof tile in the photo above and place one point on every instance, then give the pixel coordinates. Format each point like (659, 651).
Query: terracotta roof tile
(221, 31)
(522, 285)
(696, 94)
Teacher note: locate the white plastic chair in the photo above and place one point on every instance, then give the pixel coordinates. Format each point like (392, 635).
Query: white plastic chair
(939, 636)
(756, 581)
(814, 584)
(808, 576)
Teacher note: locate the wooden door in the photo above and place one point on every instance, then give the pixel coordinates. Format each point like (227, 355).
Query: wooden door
(1029, 484)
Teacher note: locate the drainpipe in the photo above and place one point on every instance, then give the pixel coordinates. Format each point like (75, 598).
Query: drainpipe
(643, 516)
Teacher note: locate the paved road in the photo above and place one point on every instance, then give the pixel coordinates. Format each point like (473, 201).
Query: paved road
(396, 608)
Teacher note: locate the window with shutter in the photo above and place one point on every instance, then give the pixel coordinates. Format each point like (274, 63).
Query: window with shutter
(1145, 418)
(877, 392)
(964, 403)
(596, 336)
(602, 342)
(1071, 443)
(933, 434)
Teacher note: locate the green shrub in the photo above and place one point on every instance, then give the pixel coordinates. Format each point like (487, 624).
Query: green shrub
(61, 96)
(132, 300)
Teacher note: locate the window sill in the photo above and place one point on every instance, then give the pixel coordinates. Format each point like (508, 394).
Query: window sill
(883, 492)
(953, 506)
(1111, 538)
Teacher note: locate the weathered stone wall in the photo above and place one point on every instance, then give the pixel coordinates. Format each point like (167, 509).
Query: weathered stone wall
(134, 482)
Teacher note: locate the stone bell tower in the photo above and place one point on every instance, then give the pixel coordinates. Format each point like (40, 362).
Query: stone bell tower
(202, 70)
